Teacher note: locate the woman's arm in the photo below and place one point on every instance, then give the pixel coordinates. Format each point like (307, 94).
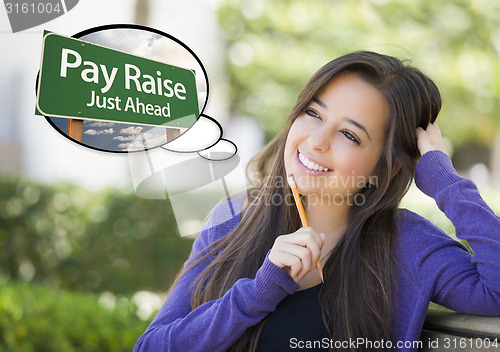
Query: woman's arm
(456, 279)
(217, 324)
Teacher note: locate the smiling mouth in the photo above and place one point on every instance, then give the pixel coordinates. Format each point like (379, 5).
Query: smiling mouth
(311, 165)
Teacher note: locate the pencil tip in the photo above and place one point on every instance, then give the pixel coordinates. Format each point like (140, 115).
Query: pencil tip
(320, 273)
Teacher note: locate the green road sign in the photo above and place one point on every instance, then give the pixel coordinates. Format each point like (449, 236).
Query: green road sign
(83, 80)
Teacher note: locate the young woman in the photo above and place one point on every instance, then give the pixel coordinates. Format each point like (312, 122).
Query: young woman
(352, 142)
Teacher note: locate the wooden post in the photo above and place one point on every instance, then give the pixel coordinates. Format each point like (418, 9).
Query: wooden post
(75, 129)
(173, 133)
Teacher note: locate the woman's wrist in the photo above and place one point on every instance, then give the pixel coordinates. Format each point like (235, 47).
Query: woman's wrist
(434, 171)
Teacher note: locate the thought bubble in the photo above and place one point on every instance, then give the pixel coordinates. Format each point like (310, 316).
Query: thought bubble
(148, 90)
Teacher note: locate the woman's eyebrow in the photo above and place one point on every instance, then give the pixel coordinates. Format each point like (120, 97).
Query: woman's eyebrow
(320, 103)
(348, 119)
(358, 125)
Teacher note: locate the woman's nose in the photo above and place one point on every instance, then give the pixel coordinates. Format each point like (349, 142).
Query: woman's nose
(320, 139)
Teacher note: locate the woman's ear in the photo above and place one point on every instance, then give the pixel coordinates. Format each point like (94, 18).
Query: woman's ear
(373, 181)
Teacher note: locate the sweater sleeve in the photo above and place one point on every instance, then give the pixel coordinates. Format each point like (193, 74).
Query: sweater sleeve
(217, 324)
(453, 277)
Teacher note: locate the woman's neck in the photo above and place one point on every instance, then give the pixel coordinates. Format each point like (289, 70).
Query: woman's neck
(331, 219)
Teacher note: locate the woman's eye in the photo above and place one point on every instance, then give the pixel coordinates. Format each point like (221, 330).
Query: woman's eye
(350, 136)
(313, 113)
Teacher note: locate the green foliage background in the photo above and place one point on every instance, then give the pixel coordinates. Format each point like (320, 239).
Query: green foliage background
(42, 319)
(275, 46)
(62, 247)
(67, 237)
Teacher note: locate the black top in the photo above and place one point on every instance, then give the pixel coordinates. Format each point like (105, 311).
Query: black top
(296, 324)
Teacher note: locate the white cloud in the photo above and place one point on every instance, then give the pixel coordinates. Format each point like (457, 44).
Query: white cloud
(99, 124)
(93, 132)
(128, 40)
(150, 140)
(131, 130)
(124, 146)
(108, 131)
(124, 138)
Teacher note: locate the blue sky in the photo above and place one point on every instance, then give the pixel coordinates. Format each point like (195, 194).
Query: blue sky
(115, 137)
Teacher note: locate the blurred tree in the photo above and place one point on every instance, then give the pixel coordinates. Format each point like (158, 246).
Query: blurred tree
(275, 46)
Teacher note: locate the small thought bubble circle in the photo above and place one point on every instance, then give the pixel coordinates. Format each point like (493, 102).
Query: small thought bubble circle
(223, 150)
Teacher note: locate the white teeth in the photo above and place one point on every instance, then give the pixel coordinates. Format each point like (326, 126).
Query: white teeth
(311, 164)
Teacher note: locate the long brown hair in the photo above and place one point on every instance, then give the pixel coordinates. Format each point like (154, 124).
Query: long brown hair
(358, 296)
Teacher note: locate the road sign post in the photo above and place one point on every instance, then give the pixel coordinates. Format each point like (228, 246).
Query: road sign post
(75, 129)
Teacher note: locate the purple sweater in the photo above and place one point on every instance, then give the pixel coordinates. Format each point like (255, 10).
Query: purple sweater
(433, 267)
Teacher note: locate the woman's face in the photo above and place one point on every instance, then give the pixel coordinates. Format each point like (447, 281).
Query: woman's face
(333, 146)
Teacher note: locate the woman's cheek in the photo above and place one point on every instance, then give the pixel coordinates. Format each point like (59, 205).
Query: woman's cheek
(353, 165)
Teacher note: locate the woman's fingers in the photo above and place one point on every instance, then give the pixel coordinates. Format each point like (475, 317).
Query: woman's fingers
(293, 265)
(307, 237)
(303, 260)
(430, 139)
(297, 252)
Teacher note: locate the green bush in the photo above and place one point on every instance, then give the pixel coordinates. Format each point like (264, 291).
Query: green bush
(36, 318)
(65, 236)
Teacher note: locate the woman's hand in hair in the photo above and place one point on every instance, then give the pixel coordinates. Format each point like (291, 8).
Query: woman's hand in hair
(430, 139)
(298, 252)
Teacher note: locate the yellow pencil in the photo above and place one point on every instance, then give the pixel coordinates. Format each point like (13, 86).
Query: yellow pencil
(302, 214)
